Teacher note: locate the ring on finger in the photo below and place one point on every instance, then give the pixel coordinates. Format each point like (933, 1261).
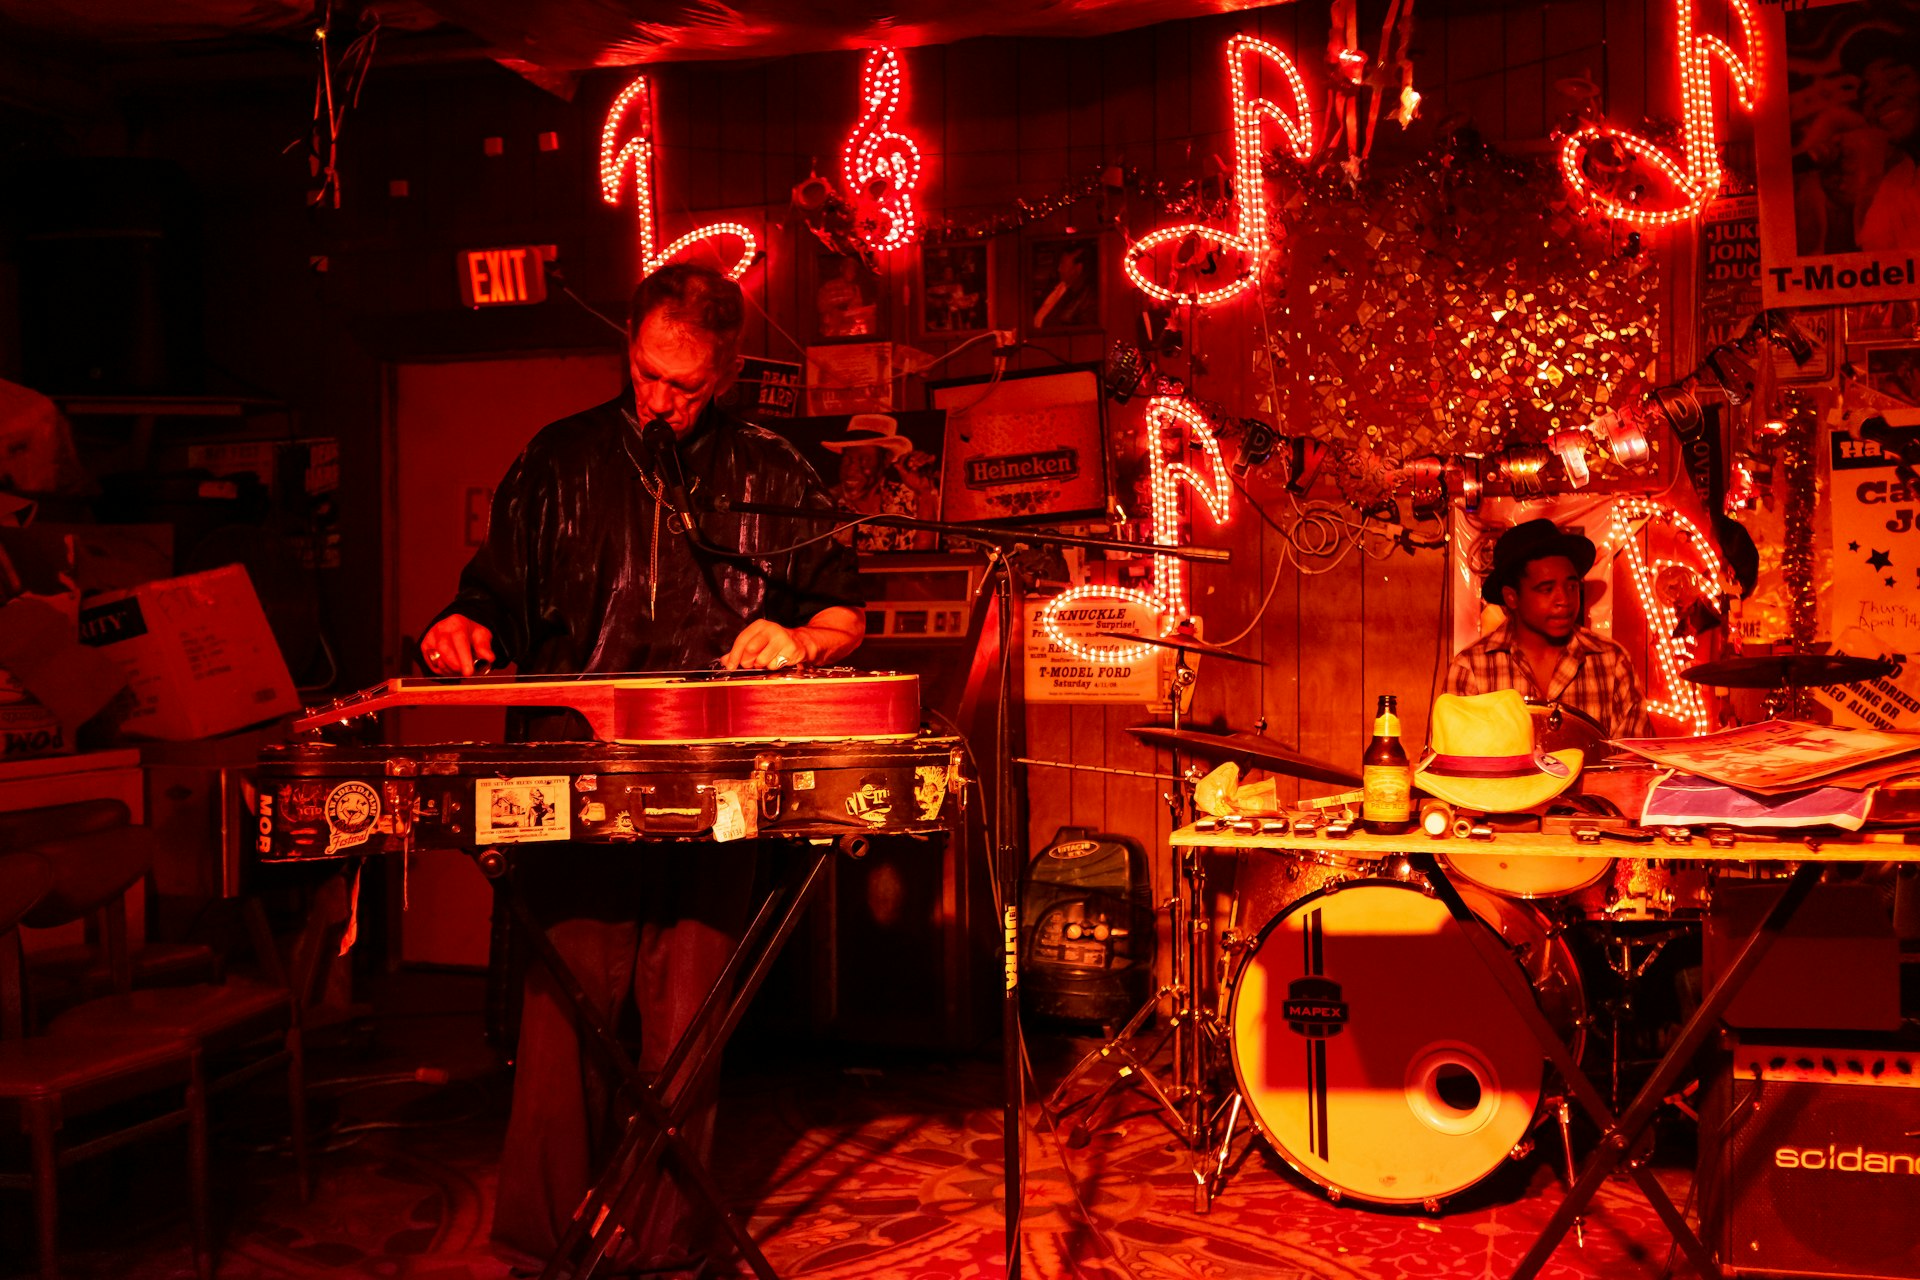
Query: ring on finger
(781, 661)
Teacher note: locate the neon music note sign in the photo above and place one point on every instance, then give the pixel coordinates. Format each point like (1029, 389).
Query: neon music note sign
(1167, 594)
(1249, 235)
(1696, 175)
(636, 153)
(881, 164)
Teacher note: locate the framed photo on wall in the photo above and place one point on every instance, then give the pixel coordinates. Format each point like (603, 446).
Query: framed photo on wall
(878, 463)
(1895, 372)
(1880, 324)
(1062, 285)
(848, 301)
(955, 298)
(1029, 450)
(1816, 325)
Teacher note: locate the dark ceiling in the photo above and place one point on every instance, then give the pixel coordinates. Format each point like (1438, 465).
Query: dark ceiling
(571, 35)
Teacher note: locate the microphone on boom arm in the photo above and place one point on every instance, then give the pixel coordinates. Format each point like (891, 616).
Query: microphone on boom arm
(664, 452)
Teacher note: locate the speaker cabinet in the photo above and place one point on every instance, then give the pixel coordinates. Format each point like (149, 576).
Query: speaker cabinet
(1810, 1160)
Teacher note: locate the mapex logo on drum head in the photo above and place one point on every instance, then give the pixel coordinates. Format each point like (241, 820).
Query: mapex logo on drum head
(1314, 1009)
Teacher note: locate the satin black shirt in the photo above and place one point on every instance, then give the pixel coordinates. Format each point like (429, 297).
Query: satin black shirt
(566, 579)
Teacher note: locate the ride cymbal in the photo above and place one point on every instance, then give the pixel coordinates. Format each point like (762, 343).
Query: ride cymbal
(1789, 670)
(1246, 749)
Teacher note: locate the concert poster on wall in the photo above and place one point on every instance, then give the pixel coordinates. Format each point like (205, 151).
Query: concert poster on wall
(1870, 603)
(1729, 268)
(1837, 147)
(1030, 448)
(851, 378)
(877, 464)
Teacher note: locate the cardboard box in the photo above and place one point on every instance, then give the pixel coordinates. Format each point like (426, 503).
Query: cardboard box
(198, 654)
(26, 727)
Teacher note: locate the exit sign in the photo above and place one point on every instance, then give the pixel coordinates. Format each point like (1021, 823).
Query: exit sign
(514, 276)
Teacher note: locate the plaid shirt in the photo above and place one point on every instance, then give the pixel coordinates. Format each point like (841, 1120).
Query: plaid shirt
(1595, 676)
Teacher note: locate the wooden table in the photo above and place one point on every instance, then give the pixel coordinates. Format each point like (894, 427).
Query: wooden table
(1618, 1133)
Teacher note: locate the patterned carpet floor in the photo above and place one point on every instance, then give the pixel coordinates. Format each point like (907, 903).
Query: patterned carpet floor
(874, 1168)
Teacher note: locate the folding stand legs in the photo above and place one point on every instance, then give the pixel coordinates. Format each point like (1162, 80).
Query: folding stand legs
(1618, 1133)
(662, 1104)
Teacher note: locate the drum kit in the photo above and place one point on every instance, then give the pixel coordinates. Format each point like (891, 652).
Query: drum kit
(1418, 1078)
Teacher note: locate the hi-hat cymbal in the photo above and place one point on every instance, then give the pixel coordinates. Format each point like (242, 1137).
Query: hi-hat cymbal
(1246, 748)
(1184, 642)
(1791, 670)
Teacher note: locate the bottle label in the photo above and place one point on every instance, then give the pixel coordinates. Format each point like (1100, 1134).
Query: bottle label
(1386, 726)
(1388, 793)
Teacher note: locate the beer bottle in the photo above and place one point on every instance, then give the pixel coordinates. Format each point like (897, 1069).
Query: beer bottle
(1385, 775)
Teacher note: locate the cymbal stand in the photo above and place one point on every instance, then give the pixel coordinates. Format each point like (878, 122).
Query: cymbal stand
(1188, 1027)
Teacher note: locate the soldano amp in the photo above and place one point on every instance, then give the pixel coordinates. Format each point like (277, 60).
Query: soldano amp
(1810, 1159)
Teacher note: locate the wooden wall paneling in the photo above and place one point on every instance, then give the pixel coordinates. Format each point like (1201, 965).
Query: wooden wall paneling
(1401, 637)
(1127, 109)
(1279, 648)
(1333, 707)
(743, 139)
(1084, 67)
(927, 123)
(1087, 744)
(1628, 40)
(1050, 794)
(1472, 79)
(1174, 157)
(1574, 28)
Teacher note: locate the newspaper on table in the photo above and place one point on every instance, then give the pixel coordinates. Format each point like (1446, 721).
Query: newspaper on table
(1778, 756)
(1688, 800)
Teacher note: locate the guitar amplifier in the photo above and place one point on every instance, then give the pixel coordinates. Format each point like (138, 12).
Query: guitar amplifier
(1810, 1159)
(920, 597)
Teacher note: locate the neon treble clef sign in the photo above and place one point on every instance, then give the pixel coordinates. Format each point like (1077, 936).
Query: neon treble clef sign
(1167, 594)
(1696, 175)
(635, 102)
(1248, 238)
(882, 164)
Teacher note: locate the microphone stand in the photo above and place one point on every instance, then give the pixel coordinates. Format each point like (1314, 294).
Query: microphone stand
(1007, 863)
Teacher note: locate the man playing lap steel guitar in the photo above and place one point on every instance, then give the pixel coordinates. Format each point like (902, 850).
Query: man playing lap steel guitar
(587, 569)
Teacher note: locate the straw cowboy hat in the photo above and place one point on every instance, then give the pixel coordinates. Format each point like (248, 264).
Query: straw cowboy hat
(871, 431)
(1483, 755)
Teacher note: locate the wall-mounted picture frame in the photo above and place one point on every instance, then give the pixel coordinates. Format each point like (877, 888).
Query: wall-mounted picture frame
(848, 300)
(1895, 372)
(1817, 327)
(1029, 449)
(955, 297)
(1883, 324)
(880, 464)
(1062, 286)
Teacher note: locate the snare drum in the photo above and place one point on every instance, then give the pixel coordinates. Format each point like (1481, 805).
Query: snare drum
(1375, 1051)
(1648, 889)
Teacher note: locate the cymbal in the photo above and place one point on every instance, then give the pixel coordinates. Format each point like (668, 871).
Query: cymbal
(1246, 748)
(1793, 670)
(1183, 642)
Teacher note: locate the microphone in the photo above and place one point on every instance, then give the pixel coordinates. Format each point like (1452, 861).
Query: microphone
(657, 436)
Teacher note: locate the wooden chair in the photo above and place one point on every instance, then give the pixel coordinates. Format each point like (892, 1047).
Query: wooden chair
(62, 976)
(240, 1027)
(48, 1079)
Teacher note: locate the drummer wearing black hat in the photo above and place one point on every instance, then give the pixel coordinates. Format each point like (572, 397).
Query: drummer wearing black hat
(1542, 649)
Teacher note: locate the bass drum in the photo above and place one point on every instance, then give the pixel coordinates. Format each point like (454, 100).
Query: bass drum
(1555, 728)
(1376, 1052)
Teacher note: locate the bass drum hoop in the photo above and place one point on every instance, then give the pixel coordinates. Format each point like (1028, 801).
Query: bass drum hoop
(1564, 1006)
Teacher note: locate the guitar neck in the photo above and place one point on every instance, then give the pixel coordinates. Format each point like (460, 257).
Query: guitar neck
(593, 699)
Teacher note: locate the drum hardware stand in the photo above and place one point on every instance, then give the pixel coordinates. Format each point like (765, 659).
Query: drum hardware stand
(1620, 1008)
(1620, 1132)
(1007, 862)
(1190, 1027)
(662, 1104)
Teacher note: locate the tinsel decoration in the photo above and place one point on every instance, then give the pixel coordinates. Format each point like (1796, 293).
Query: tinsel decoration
(1453, 305)
(1800, 477)
(1207, 198)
